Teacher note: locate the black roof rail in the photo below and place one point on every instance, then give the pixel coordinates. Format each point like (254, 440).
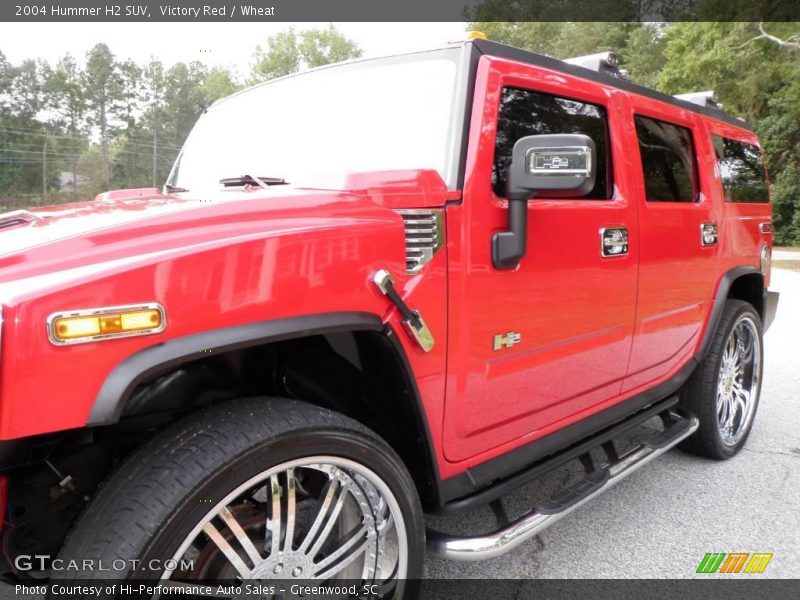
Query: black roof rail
(510, 52)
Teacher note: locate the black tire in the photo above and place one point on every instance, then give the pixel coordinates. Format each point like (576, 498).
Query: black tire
(165, 488)
(699, 394)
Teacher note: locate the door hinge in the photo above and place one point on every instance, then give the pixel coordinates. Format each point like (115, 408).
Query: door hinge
(412, 319)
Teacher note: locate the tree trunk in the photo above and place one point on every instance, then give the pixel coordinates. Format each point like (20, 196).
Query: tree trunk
(155, 155)
(104, 146)
(44, 170)
(75, 173)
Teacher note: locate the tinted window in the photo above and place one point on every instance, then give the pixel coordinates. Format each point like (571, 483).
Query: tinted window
(667, 160)
(523, 113)
(742, 170)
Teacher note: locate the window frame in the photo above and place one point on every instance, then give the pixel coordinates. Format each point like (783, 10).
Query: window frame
(762, 164)
(697, 188)
(611, 187)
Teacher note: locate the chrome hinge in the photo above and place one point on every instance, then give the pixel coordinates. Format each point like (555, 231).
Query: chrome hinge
(412, 320)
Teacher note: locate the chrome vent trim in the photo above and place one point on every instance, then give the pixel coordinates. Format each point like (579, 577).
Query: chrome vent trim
(424, 236)
(16, 217)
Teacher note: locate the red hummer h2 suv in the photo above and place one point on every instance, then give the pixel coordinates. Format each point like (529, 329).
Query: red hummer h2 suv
(370, 292)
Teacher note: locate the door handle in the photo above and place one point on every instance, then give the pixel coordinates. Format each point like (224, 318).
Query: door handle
(709, 233)
(613, 241)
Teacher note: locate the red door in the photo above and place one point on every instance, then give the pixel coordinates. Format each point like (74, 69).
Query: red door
(534, 348)
(676, 198)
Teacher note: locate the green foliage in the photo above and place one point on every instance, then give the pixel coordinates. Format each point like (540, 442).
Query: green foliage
(757, 80)
(289, 51)
(280, 57)
(219, 83)
(111, 124)
(640, 46)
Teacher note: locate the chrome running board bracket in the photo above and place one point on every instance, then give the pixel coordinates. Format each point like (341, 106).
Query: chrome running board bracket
(678, 425)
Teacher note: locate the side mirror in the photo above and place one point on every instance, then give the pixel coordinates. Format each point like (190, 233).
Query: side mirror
(563, 165)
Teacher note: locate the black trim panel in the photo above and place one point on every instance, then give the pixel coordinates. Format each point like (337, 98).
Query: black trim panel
(419, 414)
(770, 308)
(121, 382)
(508, 464)
(512, 53)
(719, 304)
(505, 486)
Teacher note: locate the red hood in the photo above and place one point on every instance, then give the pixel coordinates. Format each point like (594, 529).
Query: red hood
(27, 229)
(58, 245)
(21, 230)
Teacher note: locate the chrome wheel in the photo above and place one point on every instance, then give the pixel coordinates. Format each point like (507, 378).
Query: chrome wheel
(317, 518)
(739, 380)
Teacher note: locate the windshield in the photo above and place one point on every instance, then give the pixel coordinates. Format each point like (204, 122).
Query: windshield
(384, 114)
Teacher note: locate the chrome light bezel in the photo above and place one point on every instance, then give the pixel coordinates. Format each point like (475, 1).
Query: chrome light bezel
(105, 310)
(765, 260)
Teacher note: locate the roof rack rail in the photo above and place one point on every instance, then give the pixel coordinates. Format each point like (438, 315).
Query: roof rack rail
(707, 98)
(602, 62)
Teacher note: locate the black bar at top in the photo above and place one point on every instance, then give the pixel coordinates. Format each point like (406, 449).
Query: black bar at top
(397, 10)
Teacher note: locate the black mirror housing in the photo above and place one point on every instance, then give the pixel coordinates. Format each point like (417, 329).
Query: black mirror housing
(563, 165)
(559, 165)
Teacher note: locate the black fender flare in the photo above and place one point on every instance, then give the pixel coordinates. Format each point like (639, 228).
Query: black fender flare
(119, 385)
(723, 289)
(122, 381)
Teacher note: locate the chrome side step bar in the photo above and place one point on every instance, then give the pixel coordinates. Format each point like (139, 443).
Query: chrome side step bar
(678, 425)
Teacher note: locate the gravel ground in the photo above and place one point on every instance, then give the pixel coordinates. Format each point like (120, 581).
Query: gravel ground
(661, 520)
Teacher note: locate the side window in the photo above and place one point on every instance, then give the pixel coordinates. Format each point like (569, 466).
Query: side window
(523, 112)
(668, 161)
(741, 167)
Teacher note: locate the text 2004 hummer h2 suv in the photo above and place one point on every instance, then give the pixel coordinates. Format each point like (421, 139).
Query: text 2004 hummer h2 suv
(373, 291)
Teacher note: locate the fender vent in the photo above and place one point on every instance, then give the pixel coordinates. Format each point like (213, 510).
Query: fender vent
(15, 218)
(424, 236)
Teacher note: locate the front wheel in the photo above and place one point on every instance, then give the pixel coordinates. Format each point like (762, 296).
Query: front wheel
(724, 390)
(258, 489)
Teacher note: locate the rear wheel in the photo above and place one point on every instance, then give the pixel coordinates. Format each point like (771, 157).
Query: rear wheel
(724, 390)
(258, 489)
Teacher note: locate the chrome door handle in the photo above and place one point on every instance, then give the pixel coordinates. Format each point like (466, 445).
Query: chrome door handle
(613, 241)
(709, 234)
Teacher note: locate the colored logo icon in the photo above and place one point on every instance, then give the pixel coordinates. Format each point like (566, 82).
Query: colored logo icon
(734, 562)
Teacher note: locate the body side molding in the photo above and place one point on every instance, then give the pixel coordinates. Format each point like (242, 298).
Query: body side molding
(120, 383)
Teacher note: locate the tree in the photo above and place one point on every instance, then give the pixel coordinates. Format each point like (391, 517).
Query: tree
(184, 99)
(103, 85)
(153, 96)
(219, 83)
(639, 46)
(67, 106)
(288, 52)
(756, 79)
(322, 47)
(789, 43)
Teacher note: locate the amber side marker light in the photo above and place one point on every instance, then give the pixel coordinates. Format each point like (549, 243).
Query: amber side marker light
(96, 324)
